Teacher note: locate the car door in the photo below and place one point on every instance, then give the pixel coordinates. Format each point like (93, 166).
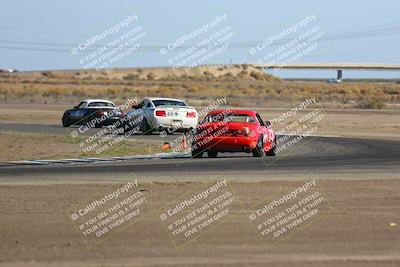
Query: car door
(79, 112)
(265, 131)
(137, 115)
(148, 110)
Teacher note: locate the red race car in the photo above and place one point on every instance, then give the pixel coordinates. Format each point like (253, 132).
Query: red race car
(227, 130)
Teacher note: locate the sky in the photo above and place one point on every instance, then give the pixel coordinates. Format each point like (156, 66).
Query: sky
(39, 35)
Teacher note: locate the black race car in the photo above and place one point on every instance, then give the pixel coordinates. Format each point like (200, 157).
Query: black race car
(93, 113)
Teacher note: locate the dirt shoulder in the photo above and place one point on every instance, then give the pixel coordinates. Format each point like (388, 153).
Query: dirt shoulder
(36, 230)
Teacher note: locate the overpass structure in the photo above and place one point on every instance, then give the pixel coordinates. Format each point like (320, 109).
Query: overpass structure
(332, 66)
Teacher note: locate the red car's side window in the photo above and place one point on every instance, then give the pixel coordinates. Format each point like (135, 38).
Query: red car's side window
(260, 120)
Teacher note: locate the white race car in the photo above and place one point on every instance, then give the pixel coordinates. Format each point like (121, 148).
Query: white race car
(161, 114)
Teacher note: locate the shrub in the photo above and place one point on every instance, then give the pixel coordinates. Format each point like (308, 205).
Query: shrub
(257, 75)
(130, 77)
(207, 73)
(391, 91)
(48, 74)
(242, 75)
(151, 76)
(371, 104)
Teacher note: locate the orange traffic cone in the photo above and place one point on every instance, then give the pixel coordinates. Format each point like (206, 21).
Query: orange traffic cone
(184, 142)
(166, 146)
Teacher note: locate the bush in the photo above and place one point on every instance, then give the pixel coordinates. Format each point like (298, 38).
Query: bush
(48, 74)
(371, 104)
(130, 77)
(208, 73)
(257, 75)
(242, 75)
(391, 91)
(151, 76)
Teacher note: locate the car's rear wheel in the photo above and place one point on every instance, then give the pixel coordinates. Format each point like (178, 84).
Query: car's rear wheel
(212, 154)
(129, 127)
(126, 127)
(197, 154)
(272, 151)
(145, 127)
(84, 122)
(258, 151)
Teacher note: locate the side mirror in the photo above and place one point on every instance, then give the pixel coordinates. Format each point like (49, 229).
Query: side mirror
(268, 123)
(135, 106)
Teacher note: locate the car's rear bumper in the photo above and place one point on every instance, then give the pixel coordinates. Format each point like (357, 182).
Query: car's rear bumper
(111, 121)
(168, 123)
(226, 143)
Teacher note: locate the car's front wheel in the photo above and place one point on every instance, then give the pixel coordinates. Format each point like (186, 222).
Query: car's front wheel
(65, 121)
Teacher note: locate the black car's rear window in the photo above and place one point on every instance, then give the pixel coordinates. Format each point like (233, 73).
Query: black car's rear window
(100, 104)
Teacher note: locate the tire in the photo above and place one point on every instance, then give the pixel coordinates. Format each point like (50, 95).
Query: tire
(212, 154)
(272, 151)
(126, 127)
(84, 122)
(65, 123)
(197, 154)
(145, 128)
(258, 151)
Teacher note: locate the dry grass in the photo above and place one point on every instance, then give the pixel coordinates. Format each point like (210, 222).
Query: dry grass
(13, 146)
(241, 84)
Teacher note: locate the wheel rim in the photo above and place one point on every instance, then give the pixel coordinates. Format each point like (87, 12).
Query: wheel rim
(259, 151)
(260, 144)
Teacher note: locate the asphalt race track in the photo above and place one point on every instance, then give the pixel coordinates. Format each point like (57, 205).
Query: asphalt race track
(322, 157)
